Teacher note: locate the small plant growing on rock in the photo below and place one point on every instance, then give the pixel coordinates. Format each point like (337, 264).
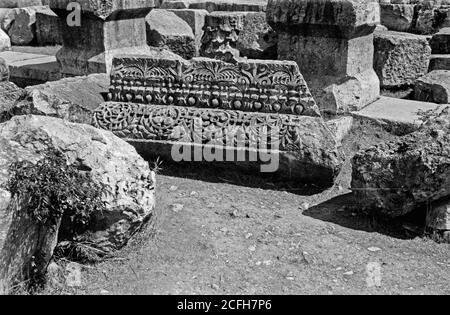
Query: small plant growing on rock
(54, 189)
(54, 194)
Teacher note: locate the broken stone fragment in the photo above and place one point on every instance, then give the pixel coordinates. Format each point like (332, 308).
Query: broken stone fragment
(400, 176)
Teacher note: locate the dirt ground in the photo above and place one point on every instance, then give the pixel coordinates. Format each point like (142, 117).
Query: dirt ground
(229, 233)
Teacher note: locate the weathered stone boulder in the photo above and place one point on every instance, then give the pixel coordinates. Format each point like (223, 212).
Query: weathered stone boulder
(433, 87)
(5, 42)
(129, 188)
(400, 58)
(332, 42)
(196, 20)
(397, 177)
(166, 30)
(4, 70)
(73, 99)
(438, 216)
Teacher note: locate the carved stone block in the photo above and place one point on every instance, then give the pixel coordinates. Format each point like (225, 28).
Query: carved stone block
(248, 85)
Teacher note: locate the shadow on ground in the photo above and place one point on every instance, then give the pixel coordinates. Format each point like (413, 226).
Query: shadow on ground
(343, 210)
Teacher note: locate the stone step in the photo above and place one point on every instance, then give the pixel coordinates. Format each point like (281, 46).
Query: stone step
(30, 69)
(398, 116)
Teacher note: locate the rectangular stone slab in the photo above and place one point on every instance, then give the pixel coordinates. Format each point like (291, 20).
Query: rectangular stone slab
(248, 85)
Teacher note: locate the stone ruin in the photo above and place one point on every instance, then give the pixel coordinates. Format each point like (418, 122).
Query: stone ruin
(239, 79)
(202, 102)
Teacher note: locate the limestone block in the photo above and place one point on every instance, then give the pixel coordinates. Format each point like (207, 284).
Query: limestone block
(107, 28)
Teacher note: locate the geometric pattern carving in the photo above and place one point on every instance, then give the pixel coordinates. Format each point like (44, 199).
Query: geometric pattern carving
(248, 85)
